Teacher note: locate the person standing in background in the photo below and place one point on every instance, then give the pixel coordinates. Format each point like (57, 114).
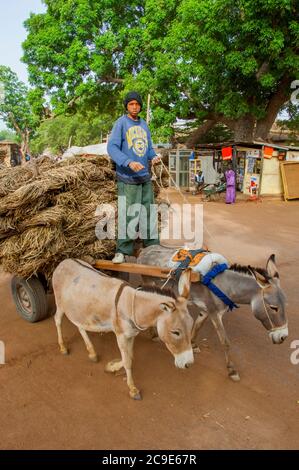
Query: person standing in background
(192, 154)
(230, 177)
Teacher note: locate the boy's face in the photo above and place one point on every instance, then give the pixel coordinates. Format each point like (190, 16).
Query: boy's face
(133, 108)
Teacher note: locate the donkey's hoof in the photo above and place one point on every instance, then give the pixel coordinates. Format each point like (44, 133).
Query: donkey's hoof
(234, 376)
(135, 394)
(94, 358)
(114, 366)
(64, 351)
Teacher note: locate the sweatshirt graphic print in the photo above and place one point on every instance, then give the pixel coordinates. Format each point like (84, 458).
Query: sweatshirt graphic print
(131, 141)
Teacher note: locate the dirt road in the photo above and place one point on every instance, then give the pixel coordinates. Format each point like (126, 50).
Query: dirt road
(48, 401)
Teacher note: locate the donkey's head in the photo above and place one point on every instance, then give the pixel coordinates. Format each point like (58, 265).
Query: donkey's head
(268, 305)
(175, 325)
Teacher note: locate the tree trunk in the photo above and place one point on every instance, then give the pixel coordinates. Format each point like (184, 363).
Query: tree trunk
(24, 135)
(277, 100)
(243, 129)
(24, 145)
(246, 128)
(196, 135)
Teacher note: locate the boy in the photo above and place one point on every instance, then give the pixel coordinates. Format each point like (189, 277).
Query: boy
(130, 147)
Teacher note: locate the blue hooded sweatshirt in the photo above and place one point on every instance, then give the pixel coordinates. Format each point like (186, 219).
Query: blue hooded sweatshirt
(131, 141)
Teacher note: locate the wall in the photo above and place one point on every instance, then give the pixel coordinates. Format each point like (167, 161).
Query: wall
(208, 170)
(271, 179)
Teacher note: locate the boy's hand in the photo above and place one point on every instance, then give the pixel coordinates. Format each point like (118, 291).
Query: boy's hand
(156, 159)
(136, 166)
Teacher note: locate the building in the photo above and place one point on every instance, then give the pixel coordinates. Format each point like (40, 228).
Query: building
(257, 165)
(10, 153)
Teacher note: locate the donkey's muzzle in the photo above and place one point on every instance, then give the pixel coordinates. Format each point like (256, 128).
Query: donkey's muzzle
(278, 336)
(184, 360)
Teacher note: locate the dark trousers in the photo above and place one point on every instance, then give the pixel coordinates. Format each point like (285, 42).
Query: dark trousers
(142, 219)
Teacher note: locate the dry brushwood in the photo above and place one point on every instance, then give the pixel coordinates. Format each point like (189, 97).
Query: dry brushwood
(48, 212)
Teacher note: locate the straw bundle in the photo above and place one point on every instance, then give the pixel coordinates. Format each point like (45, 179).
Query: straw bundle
(47, 213)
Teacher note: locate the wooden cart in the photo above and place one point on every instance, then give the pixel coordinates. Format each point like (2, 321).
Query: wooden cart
(31, 296)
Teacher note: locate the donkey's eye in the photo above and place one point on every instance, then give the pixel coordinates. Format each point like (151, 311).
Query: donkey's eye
(273, 307)
(176, 333)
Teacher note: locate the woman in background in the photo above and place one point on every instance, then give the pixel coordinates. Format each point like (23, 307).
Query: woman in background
(230, 185)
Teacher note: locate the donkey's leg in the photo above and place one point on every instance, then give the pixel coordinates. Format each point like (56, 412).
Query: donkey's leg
(126, 348)
(218, 324)
(89, 346)
(198, 323)
(58, 318)
(199, 316)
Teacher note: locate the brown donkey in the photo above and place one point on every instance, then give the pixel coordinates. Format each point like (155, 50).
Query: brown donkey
(96, 302)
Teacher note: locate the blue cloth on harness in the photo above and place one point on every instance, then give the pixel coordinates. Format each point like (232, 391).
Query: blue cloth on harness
(185, 263)
(206, 280)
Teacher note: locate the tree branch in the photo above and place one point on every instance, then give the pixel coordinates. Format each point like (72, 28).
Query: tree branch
(110, 80)
(262, 70)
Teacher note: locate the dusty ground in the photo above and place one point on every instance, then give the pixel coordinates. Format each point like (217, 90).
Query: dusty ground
(51, 401)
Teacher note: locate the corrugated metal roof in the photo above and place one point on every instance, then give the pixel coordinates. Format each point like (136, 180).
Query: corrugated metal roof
(254, 143)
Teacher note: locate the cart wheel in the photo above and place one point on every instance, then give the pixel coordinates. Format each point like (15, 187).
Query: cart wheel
(30, 298)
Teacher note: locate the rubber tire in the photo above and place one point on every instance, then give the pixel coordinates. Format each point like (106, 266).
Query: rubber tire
(37, 296)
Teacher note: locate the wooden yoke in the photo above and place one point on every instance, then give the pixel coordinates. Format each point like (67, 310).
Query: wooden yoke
(133, 268)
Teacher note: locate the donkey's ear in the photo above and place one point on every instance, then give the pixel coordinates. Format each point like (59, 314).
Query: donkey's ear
(262, 280)
(168, 306)
(272, 268)
(184, 283)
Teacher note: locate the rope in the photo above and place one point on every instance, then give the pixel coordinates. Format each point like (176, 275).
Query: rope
(133, 312)
(167, 280)
(177, 188)
(160, 185)
(174, 183)
(206, 281)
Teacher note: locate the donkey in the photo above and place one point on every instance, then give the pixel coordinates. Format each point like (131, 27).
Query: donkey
(257, 287)
(96, 302)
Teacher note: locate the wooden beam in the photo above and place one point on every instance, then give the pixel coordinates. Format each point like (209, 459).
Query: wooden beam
(133, 268)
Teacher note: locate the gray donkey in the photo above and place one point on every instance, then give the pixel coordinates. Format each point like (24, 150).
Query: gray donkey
(257, 287)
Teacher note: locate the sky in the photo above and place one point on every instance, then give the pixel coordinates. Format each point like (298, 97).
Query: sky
(12, 33)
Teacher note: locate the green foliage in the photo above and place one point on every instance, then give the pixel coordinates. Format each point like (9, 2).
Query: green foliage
(197, 58)
(80, 130)
(10, 136)
(15, 109)
(232, 40)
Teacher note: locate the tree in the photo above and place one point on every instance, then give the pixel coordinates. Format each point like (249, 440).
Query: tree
(79, 129)
(240, 58)
(215, 61)
(75, 50)
(15, 109)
